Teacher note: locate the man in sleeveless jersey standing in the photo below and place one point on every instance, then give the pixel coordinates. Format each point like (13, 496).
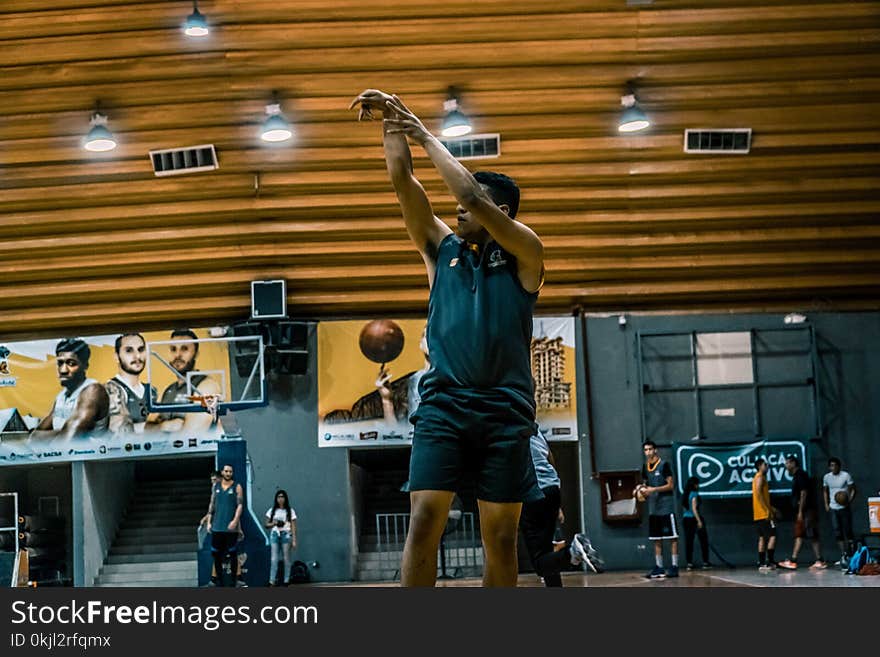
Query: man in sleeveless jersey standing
(224, 518)
(82, 406)
(477, 407)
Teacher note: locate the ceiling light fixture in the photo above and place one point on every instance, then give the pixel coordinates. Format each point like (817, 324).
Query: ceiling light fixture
(99, 139)
(633, 119)
(276, 128)
(455, 123)
(196, 24)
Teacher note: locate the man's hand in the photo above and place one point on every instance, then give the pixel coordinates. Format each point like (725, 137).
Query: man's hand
(233, 526)
(369, 100)
(382, 383)
(405, 122)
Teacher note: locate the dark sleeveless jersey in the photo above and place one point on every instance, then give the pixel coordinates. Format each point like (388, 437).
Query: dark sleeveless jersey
(479, 327)
(176, 393)
(225, 504)
(137, 406)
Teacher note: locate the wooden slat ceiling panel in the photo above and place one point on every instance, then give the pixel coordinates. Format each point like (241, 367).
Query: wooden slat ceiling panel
(93, 242)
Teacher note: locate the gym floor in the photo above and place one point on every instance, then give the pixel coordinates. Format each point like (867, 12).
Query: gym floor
(749, 577)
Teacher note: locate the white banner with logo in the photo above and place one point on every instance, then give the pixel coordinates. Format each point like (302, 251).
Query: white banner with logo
(21, 451)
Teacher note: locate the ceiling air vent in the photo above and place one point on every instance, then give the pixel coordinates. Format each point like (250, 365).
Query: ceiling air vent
(175, 161)
(473, 147)
(730, 140)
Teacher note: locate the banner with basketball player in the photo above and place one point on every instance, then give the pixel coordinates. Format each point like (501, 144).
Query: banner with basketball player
(727, 470)
(89, 398)
(369, 373)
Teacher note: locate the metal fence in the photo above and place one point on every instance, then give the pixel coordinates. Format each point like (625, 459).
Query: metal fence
(460, 553)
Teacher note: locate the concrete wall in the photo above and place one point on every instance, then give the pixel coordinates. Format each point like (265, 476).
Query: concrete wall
(283, 446)
(849, 350)
(102, 491)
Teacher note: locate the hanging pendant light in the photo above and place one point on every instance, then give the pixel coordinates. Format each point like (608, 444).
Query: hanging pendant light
(99, 139)
(633, 119)
(455, 123)
(196, 24)
(276, 128)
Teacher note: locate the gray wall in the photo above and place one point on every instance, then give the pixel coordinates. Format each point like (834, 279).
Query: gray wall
(849, 346)
(101, 493)
(282, 443)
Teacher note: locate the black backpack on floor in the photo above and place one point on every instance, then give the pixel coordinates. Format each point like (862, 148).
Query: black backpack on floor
(299, 573)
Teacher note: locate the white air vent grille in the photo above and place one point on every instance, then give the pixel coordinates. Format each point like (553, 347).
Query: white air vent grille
(473, 147)
(728, 140)
(176, 161)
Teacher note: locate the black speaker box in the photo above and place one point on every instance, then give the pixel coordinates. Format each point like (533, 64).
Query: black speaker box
(268, 299)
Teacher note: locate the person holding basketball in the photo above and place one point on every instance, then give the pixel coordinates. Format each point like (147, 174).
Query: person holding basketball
(839, 491)
(477, 409)
(657, 481)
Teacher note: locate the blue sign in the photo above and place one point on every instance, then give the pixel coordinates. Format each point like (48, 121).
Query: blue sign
(728, 470)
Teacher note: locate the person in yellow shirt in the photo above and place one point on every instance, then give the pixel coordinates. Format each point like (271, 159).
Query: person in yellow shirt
(764, 516)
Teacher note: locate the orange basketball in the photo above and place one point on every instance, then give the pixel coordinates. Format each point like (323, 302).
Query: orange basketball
(841, 497)
(381, 340)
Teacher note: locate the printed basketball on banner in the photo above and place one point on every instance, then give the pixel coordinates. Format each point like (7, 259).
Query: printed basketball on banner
(369, 374)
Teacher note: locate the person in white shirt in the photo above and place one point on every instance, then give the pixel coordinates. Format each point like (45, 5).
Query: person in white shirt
(282, 538)
(836, 481)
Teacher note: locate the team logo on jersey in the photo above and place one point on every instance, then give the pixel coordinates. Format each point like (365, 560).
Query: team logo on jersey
(453, 262)
(496, 259)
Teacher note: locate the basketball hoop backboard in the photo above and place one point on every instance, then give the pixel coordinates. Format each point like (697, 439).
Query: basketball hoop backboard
(185, 370)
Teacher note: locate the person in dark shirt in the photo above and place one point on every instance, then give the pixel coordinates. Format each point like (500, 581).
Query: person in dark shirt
(477, 409)
(806, 524)
(657, 476)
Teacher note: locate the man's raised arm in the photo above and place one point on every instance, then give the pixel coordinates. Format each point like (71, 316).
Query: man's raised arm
(513, 236)
(424, 228)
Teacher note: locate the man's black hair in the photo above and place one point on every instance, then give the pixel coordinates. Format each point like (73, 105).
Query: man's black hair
(761, 461)
(794, 459)
(504, 190)
(834, 461)
(76, 346)
(186, 333)
(118, 344)
(649, 442)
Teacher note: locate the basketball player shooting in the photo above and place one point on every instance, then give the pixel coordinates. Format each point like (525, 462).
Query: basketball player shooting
(477, 400)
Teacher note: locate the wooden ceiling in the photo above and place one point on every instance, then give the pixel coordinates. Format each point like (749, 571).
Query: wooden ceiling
(95, 242)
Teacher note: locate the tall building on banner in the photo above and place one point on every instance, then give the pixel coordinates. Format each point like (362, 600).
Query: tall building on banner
(548, 368)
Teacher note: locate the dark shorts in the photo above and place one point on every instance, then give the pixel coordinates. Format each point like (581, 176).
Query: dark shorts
(224, 542)
(662, 527)
(841, 522)
(809, 528)
(458, 435)
(766, 528)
